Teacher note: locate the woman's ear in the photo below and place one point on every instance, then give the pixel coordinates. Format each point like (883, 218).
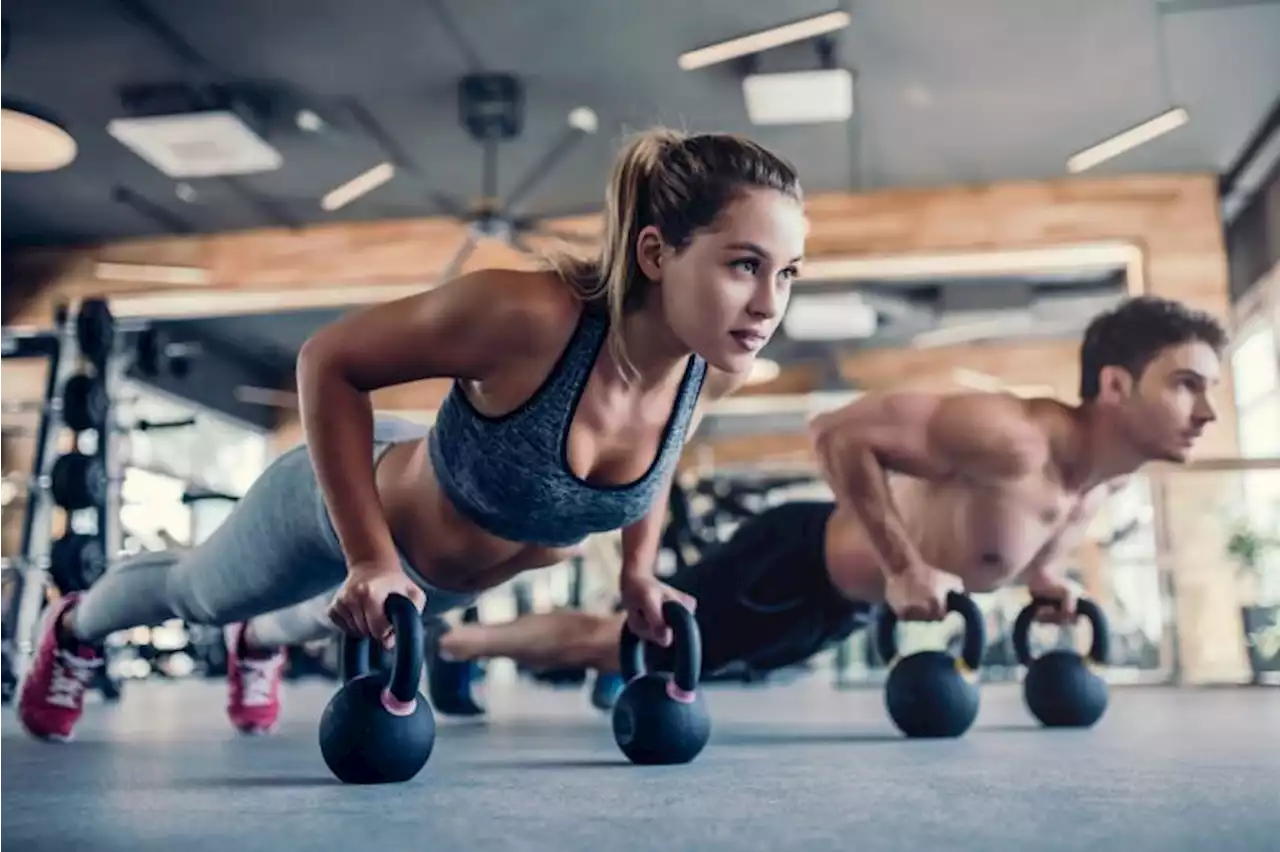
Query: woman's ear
(649, 248)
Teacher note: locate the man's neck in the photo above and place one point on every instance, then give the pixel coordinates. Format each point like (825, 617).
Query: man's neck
(1098, 452)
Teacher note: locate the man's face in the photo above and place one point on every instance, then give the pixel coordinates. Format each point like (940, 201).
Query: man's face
(1167, 408)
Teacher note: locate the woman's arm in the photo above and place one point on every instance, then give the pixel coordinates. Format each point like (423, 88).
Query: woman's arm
(640, 541)
(465, 329)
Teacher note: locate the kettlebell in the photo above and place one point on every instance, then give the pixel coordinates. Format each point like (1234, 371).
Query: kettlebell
(931, 693)
(660, 718)
(1061, 687)
(378, 729)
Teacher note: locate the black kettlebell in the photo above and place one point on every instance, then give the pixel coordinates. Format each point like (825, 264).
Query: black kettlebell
(1061, 688)
(378, 729)
(931, 693)
(660, 718)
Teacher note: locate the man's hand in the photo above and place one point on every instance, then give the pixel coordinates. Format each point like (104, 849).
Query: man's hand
(1058, 589)
(643, 596)
(920, 593)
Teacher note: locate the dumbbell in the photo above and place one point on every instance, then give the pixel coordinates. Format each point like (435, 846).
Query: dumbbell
(75, 562)
(84, 404)
(1061, 688)
(932, 693)
(95, 330)
(77, 481)
(154, 354)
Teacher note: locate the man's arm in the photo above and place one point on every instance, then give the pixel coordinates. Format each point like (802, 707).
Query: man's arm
(1045, 575)
(978, 437)
(641, 540)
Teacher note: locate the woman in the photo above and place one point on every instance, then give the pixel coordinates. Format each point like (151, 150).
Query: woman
(575, 389)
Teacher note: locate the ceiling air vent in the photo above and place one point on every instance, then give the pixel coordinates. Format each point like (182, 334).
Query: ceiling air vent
(197, 145)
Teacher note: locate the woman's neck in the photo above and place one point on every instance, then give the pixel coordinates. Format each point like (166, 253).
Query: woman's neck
(652, 347)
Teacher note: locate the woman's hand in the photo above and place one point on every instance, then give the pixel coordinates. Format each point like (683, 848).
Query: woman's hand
(643, 596)
(358, 608)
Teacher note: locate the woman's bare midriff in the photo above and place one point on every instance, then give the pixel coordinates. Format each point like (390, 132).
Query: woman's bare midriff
(447, 549)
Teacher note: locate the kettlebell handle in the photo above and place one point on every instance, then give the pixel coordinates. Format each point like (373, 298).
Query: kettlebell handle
(359, 657)
(406, 667)
(975, 631)
(1099, 648)
(686, 641)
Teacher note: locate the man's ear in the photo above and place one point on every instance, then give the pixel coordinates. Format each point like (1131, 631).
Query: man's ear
(649, 249)
(1114, 383)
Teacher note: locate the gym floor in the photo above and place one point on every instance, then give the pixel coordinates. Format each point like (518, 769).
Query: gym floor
(797, 766)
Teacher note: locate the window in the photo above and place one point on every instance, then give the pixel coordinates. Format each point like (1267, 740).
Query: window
(1259, 429)
(213, 452)
(151, 510)
(1255, 367)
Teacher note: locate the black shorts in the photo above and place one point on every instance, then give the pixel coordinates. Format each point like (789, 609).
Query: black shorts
(764, 596)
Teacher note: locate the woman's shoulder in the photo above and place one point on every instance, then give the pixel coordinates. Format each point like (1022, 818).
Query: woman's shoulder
(540, 303)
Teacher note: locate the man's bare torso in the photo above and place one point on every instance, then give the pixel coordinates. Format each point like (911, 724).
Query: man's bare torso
(985, 534)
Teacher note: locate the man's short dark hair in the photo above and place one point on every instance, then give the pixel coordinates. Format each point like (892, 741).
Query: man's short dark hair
(1134, 333)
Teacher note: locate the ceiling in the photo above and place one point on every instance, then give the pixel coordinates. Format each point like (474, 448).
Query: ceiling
(946, 93)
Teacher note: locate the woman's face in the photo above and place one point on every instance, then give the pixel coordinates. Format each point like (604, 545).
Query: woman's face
(724, 294)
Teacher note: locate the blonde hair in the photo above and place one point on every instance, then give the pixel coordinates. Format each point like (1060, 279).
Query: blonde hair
(679, 183)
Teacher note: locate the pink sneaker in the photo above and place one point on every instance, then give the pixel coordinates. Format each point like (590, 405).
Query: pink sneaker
(253, 686)
(51, 695)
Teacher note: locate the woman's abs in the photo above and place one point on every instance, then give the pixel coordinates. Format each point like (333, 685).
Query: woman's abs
(447, 549)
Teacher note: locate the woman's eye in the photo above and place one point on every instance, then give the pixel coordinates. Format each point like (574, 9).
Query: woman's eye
(748, 265)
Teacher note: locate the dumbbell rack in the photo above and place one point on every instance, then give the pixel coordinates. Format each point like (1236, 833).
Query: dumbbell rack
(82, 337)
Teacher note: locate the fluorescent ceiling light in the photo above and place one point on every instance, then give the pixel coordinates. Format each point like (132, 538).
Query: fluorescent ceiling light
(764, 40)
(799, 97)
(840, 316)
(361, 184)
(1128, 140)
(151, 273)
(1101, 256)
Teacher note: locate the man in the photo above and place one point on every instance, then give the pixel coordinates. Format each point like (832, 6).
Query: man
(932, 493)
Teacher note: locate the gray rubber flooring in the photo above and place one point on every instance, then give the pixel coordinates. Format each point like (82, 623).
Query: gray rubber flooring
(800, 766)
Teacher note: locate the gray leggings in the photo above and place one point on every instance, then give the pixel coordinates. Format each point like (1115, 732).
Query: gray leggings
(276, 561)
